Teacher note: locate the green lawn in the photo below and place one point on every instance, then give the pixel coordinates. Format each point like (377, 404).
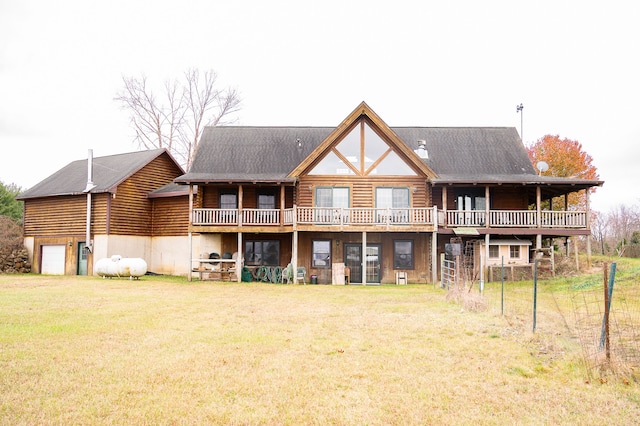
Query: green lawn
(160, 350)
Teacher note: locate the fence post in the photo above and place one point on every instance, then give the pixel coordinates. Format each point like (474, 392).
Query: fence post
(608, 295)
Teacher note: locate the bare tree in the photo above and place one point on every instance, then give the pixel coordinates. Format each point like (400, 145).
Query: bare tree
(621, 222)
(177, 120)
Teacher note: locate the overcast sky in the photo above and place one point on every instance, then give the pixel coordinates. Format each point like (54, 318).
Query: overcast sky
(572, 64)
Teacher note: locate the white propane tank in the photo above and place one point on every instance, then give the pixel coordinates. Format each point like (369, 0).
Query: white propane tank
(117, 266)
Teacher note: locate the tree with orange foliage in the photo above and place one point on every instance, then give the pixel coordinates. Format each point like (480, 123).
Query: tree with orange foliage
(565, 158)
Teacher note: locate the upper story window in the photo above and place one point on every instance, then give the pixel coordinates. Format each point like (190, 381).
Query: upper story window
(470, 202)
(266, 201)
(328, 196)
(229, 200)
(392, 197)
(362, 152)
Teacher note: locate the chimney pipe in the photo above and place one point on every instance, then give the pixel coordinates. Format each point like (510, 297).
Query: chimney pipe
(90, 185)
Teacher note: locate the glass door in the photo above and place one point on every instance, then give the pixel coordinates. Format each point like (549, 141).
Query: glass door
(373, 264)
(353, 259)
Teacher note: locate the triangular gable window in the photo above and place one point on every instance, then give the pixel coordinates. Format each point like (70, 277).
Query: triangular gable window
(362, 152)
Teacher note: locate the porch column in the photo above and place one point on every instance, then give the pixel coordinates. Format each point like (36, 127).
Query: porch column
(239, 262)
(190, 236)
(538, 217)
(434, 247)
(484, 262)
(282, 197)
(487, 202)
(364, 258)
(240, 196)
(444, 205)
(294, 254)
(588, 223)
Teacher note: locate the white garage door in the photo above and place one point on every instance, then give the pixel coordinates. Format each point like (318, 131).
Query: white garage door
(53, 260)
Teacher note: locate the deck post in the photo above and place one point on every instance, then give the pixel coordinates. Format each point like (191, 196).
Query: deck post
(364, 258)
(294, 254)
(190, 237)
(444, 206)
(434, 247)
(282, 198)
(240, 196)
(487, 211)
(538, 217)
(239, 259)
(588, 223)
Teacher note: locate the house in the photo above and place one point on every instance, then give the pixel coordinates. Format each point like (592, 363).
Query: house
(124, 196)
(377, 199)
(383, 201)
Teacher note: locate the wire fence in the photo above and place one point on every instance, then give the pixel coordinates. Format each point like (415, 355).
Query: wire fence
(607, 331)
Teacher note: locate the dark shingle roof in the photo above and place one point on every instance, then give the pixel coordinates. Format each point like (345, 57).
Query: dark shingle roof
(108, 172)
(252, 153)
(169, 190)
(470, 151)
(271, 153)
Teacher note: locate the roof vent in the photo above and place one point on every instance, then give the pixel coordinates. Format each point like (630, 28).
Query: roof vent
(298, 143)
(422, 149)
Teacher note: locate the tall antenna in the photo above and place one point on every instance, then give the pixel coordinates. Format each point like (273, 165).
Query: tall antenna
(519, 109)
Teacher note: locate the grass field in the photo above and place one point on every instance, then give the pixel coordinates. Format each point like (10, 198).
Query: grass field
(78, 350)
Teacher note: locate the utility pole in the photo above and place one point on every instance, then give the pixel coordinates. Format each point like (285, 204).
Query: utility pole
(519, 109)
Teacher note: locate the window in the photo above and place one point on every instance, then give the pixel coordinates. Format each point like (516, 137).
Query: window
(229, 200)
(321, 254)
(470, 202)
(396, 199)
(362, 152)
(494, 252)
(403, 254)
(262, 253)
(332, 197)
(514, 252)
(266, 201)
(392, 198)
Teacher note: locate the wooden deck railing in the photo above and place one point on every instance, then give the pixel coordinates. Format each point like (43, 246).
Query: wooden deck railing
(390, 217)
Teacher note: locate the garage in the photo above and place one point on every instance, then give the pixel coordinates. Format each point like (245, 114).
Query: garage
(53, 260)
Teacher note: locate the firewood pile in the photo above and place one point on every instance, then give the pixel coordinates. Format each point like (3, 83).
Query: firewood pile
(14, 261)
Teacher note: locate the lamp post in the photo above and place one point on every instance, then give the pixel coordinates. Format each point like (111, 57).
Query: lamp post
(519, 109)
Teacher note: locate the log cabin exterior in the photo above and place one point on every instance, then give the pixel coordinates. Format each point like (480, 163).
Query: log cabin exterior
(377, 199)
(383, 201)
(129, 191)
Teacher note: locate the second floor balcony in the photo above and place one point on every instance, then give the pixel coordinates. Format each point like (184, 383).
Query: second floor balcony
(388, 218)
